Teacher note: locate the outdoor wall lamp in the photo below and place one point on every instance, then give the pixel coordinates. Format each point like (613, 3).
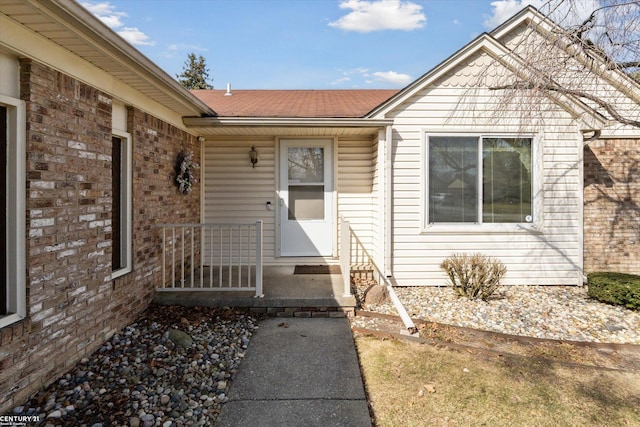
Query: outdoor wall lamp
(253, 156)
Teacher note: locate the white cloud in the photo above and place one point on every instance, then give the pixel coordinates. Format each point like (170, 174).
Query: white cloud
(174, 49)
(357, 75)
(393, 77)
(347, 74)
(505, 9)
(135, 37)
(107, 13)
(102, 9)
(341, 80)
(360, 70)
(456, 21)
(112, 18)
(565, 13)
(377, 15)
(112, 21)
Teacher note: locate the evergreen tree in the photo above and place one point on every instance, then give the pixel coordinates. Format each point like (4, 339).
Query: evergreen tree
(195, 74)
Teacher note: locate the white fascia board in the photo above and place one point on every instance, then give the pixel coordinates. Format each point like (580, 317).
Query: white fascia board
(104, 39)
(285, 122)
(617, 79)
(480, 42)
(619, 131)
(589, 118)
(22, 42)
(526, 15)
(545, 26)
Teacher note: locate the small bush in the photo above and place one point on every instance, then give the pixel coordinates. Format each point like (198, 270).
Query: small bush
(615, 288)
(474, 276)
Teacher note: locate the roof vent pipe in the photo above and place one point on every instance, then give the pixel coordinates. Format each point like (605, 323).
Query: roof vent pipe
(228, 90)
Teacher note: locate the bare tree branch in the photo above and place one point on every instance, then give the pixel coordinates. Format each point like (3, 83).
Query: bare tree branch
(631, 64)
(577, 93)
(584, 55)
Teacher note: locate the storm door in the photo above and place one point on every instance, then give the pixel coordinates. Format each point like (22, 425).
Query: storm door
(306, 198)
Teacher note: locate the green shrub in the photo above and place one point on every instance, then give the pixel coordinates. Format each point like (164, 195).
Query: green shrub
(615, 288)
(474, 276)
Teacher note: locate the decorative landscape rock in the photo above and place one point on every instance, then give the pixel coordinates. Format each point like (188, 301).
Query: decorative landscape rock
(179, 338)
(555, 312)
(152, 373)
(376, 294)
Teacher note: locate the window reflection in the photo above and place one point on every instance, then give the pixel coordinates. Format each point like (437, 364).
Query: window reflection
(306, 164)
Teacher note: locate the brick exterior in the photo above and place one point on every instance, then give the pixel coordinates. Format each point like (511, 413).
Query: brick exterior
(612, 206)
(73, 305)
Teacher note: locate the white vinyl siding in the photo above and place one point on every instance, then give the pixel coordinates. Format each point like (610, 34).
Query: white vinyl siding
(237, 193)
(355, 188)
(234, 192)
(549, 254)
(612, 87)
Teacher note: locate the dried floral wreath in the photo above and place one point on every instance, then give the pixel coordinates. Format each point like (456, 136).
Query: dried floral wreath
(184, 171)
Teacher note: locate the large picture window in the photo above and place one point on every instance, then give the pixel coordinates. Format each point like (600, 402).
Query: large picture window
(479, 179)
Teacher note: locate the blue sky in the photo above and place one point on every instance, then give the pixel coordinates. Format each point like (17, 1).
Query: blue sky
(304, 44)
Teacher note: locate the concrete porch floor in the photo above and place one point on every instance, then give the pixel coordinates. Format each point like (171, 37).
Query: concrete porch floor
(281, 288)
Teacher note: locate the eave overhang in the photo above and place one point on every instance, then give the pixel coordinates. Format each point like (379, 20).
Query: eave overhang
(285, 121)
(73, 28)
(291, 126)
(588, 118)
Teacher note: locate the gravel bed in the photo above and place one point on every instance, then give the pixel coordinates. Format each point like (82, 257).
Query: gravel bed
(172, 367)
(555, 312)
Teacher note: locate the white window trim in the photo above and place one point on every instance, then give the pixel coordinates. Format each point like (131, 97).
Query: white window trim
(535, 227)
(16, 208)
(127, 204)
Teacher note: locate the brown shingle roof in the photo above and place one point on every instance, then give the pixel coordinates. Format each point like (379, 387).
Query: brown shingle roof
(294, 103)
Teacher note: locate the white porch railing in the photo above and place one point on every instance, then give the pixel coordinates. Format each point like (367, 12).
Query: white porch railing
(212, 257)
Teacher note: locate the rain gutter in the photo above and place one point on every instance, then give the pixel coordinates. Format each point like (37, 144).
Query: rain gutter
(111, 45)
(285, 121)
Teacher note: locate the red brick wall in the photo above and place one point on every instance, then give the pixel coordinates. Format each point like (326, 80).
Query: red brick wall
(612, 206)
(72, 303)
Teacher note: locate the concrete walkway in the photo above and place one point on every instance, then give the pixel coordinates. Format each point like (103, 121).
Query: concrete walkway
(298, 372)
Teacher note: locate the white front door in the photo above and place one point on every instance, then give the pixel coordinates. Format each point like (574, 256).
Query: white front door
(306, 197)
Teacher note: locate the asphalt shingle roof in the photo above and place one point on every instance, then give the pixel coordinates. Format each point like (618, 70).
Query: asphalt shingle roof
(353, 103)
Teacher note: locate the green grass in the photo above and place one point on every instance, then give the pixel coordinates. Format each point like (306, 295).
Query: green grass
(464, 389)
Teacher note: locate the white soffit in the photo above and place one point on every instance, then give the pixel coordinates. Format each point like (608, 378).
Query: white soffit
(70, 26)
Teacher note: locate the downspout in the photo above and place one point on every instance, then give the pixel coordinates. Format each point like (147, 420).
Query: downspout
(596, 135)
(203, 167)
(388, 200)
(385, 151)
(381, 157)
(410, 327)
(585, 141)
